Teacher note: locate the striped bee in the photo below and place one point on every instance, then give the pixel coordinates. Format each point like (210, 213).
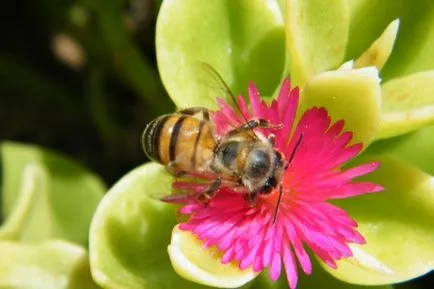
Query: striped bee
(186, 143)
(183, 141)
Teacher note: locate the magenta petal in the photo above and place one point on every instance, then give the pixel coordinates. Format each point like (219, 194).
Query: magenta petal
(284, 98)
(276, 267)
(255, 101)
(305, 219)
(243, 107)
(290, 267)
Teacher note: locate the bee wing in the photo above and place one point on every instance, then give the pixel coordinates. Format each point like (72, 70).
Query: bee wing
(177, 198)
(216, 82)
(183, 191)
(209, 79)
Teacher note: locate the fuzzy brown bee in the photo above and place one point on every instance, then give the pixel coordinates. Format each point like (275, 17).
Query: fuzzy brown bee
(186, 143)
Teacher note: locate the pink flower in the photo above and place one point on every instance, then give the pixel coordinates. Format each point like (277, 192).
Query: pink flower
(304, 218)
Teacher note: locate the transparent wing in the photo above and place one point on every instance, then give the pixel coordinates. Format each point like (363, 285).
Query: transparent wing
(187, 188)
(175, 198)
(217, 83)
(214, 79)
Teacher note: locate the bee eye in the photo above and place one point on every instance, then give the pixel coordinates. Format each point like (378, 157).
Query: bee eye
(270, 184)
(258, 164)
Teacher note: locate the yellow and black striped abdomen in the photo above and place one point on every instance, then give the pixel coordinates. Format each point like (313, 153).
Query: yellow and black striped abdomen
(183, 141)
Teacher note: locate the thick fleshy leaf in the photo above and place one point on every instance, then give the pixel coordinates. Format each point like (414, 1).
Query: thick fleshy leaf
(352, 95)
(46, 195)
(243, 40)
(50, 265)
(33, 182)
(130, 233)
(363, 33)
(408, 104)
(318, 279)
(398, 225)
(193, 262)
(415, 148)
(378, 53)
(316, 35)
(415, 44)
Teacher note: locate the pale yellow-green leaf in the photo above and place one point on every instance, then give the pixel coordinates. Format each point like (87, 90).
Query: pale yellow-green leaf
(56, 199)
(130, 233)
(319, 279)
(414, 45)
(49, 265)
(243, 40)
(415, 148)
(353, 95)
(398, 225)
(408, 104)
(316, 36)
(34, 181)
(378, 53)
(191, 261)
(349, 65)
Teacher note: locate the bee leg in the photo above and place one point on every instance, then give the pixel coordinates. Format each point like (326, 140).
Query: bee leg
(251, 198)
(255, 123)
(206, 196)
(171, 169)
(196, 110)
(272, 139)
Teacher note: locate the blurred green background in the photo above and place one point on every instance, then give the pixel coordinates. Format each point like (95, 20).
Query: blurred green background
(80, 77)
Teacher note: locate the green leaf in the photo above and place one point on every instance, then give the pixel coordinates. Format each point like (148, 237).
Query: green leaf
(362, 32)
(46, 195)
(50, 265)
(379, 51)
(415, 43)
(191, 261)
(130, 233)
(352, 95)
(408, 104)
(33, 182)
(316, 35)
(398, 225)
(243, 40)
(319, 279)
(415, 148)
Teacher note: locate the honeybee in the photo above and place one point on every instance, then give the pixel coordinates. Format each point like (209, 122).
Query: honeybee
(186, 143)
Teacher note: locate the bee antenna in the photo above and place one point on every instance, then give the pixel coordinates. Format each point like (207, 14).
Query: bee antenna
(294, 151)
(276, 209)
(279, 199)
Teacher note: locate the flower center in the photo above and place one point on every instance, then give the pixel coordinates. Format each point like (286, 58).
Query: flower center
(271, 201)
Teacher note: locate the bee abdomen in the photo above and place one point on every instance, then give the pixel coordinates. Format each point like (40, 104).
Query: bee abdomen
(152, 138)
(183, 142)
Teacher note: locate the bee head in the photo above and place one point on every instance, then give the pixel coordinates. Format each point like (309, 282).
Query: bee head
(263, 169)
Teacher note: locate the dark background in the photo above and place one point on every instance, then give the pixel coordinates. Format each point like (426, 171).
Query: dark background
(81, 79)
(92, 107)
